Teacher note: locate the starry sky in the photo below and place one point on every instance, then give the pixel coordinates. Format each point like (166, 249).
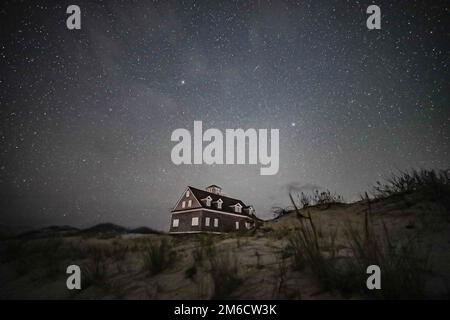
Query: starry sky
(87, 115)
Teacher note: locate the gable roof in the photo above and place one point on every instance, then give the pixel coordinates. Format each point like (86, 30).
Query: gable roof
(227, 205)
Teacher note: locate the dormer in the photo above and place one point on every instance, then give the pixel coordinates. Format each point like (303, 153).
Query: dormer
(250, 210)
(218, 203)
(208, 200)
(214, 189)
(237, 207)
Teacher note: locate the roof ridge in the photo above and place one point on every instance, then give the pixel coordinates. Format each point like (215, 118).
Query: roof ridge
(215, 194)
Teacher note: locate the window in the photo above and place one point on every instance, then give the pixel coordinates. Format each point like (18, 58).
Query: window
(208, 201)
(216, 222)
(207, 221)
(175, 223)
(247, 225)
(189, 203)
(188, 194)
(237, 225)
(195, 221)
(219, 204)
(237, 208)
(183, 204)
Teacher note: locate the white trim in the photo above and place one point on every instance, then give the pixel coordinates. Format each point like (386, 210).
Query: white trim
(219, 203)
(196, 223)
(175, 223)
(179, 199)
(212, 210)
(207, 221)
(237, 205)
(208, 201)
(214, 189)
(182, 196)
(216, 222)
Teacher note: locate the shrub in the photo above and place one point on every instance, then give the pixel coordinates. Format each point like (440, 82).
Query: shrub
(204, 248)
(279, 211)
(403, 265)
(158, 257)
(191, 272)
(225, 274)
(433, 184)
(96, 267)
(304, 246)
(52, 255)
(319, 198)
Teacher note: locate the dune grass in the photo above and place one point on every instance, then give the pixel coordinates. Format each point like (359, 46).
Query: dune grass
(224, 272)
(403, 265)
(158, 256)
(431, 184)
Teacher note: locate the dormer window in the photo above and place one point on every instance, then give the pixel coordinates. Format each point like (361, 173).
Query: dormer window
(219, 204)
(208, 200)
(238, 208)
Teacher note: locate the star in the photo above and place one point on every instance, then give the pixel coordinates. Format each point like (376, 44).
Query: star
(93, 126)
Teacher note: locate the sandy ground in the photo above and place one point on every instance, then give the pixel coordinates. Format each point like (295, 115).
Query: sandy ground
(114, 265)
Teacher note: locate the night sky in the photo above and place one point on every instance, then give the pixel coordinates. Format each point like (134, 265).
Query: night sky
(87, 115)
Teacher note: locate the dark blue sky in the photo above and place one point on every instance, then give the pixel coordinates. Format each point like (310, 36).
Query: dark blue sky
(87, 114)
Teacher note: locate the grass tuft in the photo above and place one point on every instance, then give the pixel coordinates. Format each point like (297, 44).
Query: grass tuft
(158, 257)
(225, 274)
(403, 266)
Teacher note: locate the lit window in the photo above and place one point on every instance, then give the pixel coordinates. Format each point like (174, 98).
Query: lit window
(183, 204)
(189, 203)
(207, 221)
(237, 225)
(175, 223)
(195, 221)
(216, 222)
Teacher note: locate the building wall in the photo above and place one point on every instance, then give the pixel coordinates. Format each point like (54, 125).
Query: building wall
(227, 223)
(185, 221)
(185, 198)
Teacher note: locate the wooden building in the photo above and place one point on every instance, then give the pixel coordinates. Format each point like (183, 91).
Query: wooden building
(210, 211)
